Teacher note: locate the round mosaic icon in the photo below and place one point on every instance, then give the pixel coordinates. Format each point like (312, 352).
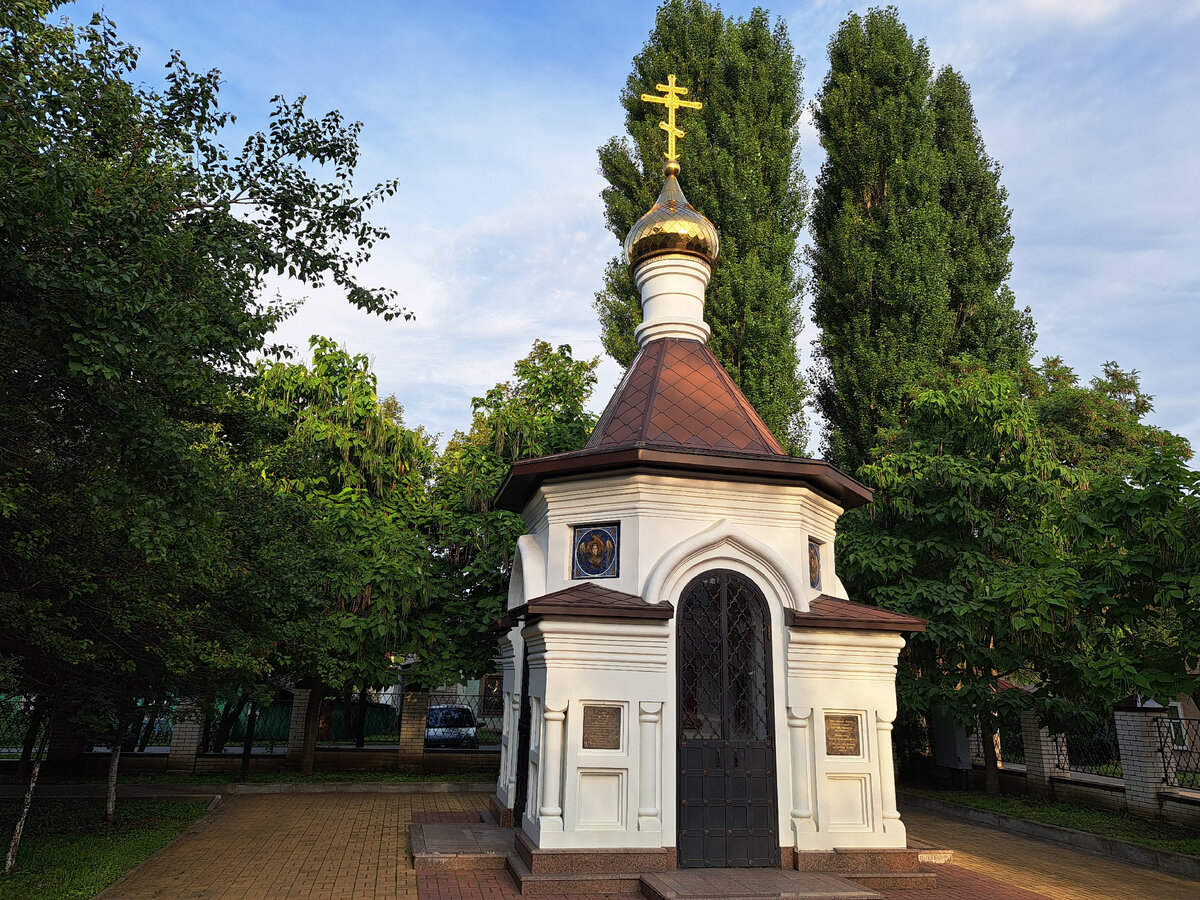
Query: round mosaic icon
(596, 552)
(814, 564)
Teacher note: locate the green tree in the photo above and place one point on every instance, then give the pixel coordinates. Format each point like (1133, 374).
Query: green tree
(987, 324)
(1134, 542)
(1099, 428)
(963, 532)
(541, 411)
(910, 233)
(364, 476)
(134, 253)
(741, 169)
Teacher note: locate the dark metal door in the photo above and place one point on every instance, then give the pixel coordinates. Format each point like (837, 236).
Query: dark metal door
(727, 811)
(524, 718)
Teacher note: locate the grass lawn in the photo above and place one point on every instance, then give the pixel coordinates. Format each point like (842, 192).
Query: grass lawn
(69, 852)
(1106, 823)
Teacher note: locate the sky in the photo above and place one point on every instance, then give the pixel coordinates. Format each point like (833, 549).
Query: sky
(490, 113)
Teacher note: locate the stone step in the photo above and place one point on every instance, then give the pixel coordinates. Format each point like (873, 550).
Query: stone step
(861, 860)
(751, 884)
(455, 847)
(931, 855)
(583, 884)
(894, 881)
(591, 862)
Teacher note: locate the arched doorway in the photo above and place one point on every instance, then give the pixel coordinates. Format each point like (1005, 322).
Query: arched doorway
(727, 811)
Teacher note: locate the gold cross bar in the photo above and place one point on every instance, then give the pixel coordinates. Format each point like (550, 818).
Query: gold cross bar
(672, 102)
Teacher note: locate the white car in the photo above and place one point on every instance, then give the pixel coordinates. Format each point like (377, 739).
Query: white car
(451, 726)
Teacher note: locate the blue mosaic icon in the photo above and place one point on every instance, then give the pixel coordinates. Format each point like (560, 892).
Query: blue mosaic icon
(597, 551)
(814, 564)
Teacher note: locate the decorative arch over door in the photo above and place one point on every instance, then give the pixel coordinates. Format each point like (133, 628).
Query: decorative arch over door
(727, 790)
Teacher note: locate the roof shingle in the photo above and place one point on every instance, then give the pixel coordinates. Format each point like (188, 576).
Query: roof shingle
(676, 395)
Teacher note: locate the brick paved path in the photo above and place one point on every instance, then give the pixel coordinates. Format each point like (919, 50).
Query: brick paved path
(355, 847)
(984, 856)
(284, 846)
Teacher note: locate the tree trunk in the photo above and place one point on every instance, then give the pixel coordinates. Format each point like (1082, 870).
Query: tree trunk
(987, 738)
(248, 742)
(11, 861)
(114, 762)
(360, 723)
(229, 718)
(312, 722)
(36, 716)
(152, 718)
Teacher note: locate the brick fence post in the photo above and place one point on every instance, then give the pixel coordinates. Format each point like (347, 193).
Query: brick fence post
(1141, 758)
(185, 738)
(295, 738)
(1041, 755)
(412, 728)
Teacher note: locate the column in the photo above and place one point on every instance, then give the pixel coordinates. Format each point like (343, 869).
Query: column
(295, 740)
(800, 734)
(185, 738)
(550, 812)
(1141, 758)
(649, 814)
(413, 716)
(887, 775)
(514, 718)
(1041, 755)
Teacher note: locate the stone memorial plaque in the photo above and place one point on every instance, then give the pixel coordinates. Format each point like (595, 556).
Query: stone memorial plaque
(841, 736)
(602, 728)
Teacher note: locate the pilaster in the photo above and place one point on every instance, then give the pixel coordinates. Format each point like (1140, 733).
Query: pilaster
(1141, 758)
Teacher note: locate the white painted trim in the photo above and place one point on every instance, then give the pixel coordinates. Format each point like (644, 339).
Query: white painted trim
(528, 579)
(704, 549)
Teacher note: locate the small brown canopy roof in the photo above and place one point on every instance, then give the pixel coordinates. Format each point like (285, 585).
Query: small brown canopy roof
(590, 599)
(830, 612)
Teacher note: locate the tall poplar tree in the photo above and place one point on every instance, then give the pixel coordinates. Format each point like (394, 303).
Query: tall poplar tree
(740, 159)
(986, 323)
(910, 230)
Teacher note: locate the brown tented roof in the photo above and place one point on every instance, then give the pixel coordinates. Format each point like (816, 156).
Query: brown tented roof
(677, 396)
(830, 612)
(591, 599)
(678, 412)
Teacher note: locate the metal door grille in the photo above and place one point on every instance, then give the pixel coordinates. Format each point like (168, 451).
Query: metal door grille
(727, 814)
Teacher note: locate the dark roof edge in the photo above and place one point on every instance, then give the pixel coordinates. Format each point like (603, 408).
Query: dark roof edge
(847, 615)
(659, 611)
(526, 475)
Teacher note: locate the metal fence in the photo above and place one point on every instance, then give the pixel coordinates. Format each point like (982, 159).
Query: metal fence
(1094, 751)
(340, 725)
(1012, 742)
(1180, 742)
(16, 716)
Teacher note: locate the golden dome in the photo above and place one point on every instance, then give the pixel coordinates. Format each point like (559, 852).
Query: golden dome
(672, 226)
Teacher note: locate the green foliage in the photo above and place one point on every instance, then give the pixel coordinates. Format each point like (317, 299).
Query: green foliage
(986, 323)
(362, 473)
(1099, 429)
(137, 554)
(1134, 542)
(910, 233)
(740, 158)
(962, 533)
(69, 852)
(542, 411)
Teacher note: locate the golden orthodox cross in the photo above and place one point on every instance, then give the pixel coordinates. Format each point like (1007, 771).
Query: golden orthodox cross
(672, 102)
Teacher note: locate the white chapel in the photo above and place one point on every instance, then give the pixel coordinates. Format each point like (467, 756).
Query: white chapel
(685, 677)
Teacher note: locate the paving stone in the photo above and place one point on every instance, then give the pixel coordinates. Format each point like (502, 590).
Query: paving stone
(1022, 868)
(355, 847)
